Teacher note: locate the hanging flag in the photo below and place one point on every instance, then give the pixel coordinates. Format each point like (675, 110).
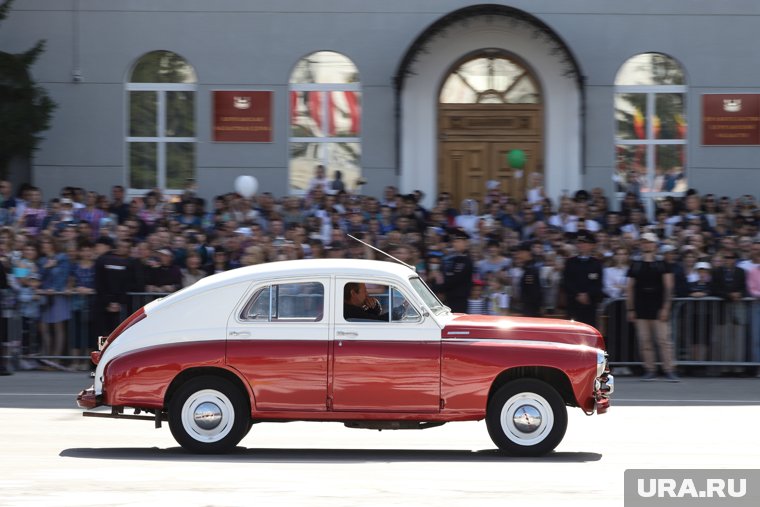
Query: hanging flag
(315, 109)
(638, 125)
(656, 126)
(331, 112)
(354, 112)
(680, 126)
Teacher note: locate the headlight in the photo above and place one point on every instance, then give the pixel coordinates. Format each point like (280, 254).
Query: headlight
(601, 362)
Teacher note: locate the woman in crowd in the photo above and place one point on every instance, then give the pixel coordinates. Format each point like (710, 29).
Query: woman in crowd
(193, 272)
(82, 286)
(54, 275)
(34, 213)
(150, 213)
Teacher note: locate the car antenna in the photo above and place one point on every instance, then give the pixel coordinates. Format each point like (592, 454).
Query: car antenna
(384, 253)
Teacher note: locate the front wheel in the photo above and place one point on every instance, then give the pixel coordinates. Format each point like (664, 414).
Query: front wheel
(526, 417)
(209, 415)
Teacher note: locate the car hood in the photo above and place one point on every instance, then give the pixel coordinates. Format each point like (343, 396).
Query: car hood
(521, 328)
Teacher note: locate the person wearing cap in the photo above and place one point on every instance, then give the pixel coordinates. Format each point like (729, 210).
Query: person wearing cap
(729, 283)
(116, 274)
(701, 321)
(648, 296)
(702, 286)
(167, 276)
(583, 281)
(457, 275)
(531, 295)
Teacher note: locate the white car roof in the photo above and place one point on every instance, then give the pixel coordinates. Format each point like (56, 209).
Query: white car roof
(297, 269)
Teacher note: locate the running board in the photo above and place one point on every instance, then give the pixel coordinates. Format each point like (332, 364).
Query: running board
(157, 417)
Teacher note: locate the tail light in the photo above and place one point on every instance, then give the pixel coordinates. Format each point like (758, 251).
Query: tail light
(104, 342)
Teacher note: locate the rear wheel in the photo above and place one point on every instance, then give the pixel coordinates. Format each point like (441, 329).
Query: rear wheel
(526, 417)
(209, 415)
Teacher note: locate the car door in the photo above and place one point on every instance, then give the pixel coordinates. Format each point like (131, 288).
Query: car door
(278, 339)
(385, 366)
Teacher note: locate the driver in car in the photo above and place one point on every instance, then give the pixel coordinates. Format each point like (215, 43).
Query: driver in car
(358, 305)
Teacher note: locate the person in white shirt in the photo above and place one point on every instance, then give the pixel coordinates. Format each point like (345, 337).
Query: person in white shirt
(535, 193)
(580, 220)
(616, 275)
(468, 219)
(320, 180)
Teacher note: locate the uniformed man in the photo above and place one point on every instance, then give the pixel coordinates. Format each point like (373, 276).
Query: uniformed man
(116, 274)
(530, 282)
(582, 281)
(457, 280)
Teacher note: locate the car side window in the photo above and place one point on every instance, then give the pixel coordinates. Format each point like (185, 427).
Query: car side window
(403, 311)
(367, 302)
(300, 301)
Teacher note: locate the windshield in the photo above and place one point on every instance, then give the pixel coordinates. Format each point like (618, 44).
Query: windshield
(427, 296)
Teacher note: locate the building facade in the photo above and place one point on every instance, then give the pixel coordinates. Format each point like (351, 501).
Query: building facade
(444, 95)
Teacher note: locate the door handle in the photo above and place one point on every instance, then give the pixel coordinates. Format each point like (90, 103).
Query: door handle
(240, 333)
(347, 333)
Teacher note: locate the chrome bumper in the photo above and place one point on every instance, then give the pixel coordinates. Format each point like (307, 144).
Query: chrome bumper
(604, 386)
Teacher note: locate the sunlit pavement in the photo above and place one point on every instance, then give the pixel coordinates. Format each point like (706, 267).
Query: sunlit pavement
(54, 456)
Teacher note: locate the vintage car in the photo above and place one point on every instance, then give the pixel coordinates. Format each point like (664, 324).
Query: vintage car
(276, 342)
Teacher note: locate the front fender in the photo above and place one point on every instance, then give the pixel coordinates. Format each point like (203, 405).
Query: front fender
(471, 368)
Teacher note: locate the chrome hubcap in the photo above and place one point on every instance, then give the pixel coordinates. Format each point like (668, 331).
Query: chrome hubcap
(527, 419)
(207, 415)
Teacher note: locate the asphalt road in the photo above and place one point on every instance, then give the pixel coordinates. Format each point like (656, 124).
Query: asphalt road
(51, 455)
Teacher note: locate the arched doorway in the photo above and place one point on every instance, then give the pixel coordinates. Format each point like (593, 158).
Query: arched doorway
(489, 104)
(431, 59)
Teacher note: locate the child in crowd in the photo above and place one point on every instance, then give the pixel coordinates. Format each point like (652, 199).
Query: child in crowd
(497, 296)
(25, 281)
(477, 304)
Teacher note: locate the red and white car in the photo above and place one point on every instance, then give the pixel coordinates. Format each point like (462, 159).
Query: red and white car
(272, 343)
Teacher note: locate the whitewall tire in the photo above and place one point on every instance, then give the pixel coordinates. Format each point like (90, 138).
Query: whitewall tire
(526, 417)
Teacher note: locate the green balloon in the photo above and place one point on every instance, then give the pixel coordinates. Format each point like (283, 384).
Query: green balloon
(516, 159)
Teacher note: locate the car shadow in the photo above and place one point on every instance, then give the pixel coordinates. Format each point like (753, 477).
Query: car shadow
(269, 455)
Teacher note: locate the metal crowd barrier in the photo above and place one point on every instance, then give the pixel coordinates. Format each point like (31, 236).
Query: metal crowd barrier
(706, 331)
(21, 337)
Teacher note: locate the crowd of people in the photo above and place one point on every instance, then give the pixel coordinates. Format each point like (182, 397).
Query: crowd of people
(83, 253)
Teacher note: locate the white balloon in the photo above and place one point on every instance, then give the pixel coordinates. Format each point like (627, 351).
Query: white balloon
(246, 186)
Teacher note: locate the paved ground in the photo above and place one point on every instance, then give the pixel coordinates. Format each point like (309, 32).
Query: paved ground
(54, 456)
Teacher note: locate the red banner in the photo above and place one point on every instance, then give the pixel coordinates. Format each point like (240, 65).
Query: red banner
(244, 117)
(730, 119)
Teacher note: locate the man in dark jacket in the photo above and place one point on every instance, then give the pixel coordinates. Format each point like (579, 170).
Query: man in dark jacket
(116, 274)
(648, 297)
(457, 279)
(531, 296)
(729, 283)
(582, 281)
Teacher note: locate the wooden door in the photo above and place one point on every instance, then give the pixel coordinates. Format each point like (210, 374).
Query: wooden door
(466, 167)
(474, 140)
(464, 170)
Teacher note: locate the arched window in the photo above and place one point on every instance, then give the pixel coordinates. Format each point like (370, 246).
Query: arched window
(325, 120)
(490, 79)
(650, 114)
(161, 124)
